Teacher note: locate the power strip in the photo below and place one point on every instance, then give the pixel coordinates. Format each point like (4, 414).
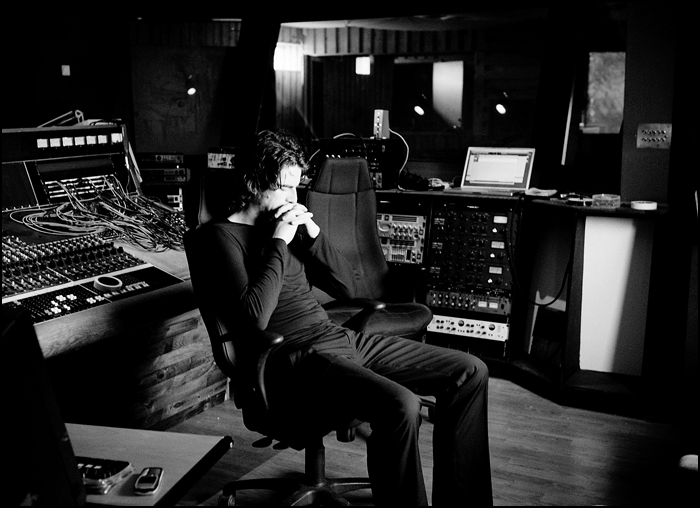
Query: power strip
(469, 328)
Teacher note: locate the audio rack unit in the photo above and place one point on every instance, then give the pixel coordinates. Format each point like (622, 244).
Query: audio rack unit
(402, 237)
(469, 287)
(403, 224)
(475, 328)
(164, 176)
(384, 156)
(469, 249)
(465, 268)
(163, 168)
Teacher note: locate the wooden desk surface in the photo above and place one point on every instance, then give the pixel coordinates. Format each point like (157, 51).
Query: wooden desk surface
(184, 458)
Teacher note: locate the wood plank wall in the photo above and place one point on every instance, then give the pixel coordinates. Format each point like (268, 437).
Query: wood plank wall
(369, 41)
(151, 378)
(219, 34)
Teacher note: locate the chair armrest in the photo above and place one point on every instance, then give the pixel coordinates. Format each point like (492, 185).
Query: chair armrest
(366, 304)
(243, 358)
(267, 340)
(358, 322)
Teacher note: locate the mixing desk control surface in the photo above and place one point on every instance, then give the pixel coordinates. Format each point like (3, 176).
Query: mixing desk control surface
(58, 278)
(27, 268)
(68, 194)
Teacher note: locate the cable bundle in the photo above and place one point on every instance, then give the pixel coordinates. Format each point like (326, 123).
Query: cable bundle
(135, 219)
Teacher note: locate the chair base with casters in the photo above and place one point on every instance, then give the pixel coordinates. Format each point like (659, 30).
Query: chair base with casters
(314, 488)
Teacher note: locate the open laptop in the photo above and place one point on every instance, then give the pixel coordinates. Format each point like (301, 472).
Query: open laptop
(496, 171)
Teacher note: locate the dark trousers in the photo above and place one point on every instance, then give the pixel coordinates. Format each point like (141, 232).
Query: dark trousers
(376, 379)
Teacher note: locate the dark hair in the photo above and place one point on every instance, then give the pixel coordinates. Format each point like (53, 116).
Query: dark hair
(261, 162)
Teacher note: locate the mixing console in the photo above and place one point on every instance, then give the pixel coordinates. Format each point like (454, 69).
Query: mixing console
(69, 275)
(58, 182)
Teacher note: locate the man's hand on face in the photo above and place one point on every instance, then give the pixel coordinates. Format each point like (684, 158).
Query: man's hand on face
(288, 217)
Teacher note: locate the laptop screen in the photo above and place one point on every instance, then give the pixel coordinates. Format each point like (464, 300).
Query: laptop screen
(498, 168)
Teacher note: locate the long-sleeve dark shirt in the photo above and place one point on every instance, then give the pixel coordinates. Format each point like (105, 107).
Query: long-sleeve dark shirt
(331, 374)
(262, 281)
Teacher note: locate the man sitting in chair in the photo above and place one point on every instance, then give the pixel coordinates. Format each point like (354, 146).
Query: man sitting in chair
(265, 255)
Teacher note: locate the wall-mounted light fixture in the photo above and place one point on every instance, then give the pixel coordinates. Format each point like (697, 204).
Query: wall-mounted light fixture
(421, 103)
(502, 104)
(190, 86)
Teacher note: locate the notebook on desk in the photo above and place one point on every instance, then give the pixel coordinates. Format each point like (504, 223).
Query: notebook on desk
(496, 171)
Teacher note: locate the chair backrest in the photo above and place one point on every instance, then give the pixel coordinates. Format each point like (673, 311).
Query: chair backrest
(205, 196)
(203, 204)
(344, 205)
(222, 345)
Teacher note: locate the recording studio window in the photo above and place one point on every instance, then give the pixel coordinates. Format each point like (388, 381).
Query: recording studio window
(427, 95)
(484, 95)
(606, 93)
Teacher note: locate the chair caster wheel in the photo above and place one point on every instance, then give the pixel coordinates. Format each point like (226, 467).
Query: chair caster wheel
(229, 500)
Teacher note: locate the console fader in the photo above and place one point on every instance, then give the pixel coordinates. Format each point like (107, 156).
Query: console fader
(58, 278)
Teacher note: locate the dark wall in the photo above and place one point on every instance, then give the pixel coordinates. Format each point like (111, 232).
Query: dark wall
(112, 77)
(166, 118)
(649, 97)
(34, 49)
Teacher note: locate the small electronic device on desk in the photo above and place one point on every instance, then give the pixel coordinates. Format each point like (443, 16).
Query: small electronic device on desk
(71, 464)
(168, 463)
(100, 475)
(148, 481)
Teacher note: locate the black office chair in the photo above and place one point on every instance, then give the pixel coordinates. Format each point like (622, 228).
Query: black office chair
(242, 355)
(344, 205)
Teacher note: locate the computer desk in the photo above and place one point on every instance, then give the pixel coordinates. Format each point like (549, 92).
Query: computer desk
(183, 457)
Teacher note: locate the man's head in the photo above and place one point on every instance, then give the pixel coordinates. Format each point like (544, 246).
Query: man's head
(268, 166)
